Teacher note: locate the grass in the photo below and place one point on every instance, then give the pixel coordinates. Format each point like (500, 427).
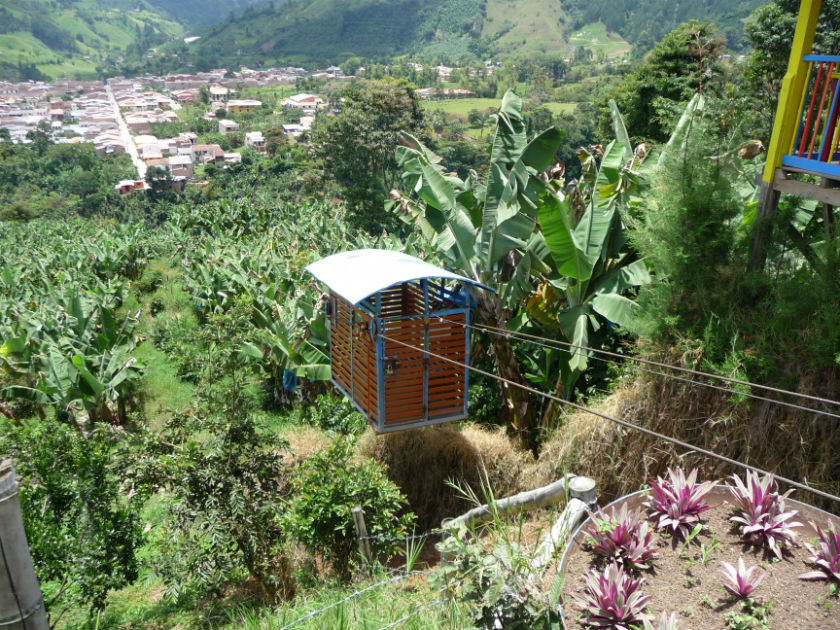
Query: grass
(596, 38)
(525, 25)
(461, 105)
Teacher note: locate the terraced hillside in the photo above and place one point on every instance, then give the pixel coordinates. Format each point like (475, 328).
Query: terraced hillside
(73, 38)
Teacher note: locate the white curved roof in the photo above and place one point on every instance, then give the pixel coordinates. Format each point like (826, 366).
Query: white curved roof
(357, 274)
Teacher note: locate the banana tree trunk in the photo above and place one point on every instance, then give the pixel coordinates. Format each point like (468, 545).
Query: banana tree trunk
(516, 402)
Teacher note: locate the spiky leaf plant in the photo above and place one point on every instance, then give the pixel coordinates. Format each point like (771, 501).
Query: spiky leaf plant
(622, 536)
(825, 554)
(666, 622)
(612, 599)
(761, 511)
(679, 502)
(740, 581)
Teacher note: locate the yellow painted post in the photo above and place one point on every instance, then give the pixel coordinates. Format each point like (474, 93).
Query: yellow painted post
(793, 84)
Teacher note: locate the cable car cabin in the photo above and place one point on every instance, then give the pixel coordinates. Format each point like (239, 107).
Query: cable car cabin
(389, 313)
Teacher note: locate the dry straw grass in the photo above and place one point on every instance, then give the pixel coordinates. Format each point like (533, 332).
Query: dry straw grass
(422, 462)
(792, 443)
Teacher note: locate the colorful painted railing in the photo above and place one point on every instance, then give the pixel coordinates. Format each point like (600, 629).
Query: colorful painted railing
(815, 144)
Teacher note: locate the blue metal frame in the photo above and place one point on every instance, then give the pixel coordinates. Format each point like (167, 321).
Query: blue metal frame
(828, 134)
(828, 58)
(373, 306)
(812, 165)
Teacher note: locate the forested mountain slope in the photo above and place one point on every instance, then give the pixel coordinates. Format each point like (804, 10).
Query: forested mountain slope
(322, 31)
(75, 37)
(647, 21)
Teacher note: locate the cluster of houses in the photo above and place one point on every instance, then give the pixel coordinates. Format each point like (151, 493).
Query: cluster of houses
(88, 117)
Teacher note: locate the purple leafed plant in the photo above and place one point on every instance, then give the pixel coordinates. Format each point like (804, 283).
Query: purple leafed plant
(825, 554)
(740, 581)
(761, 511)
(679, 502)
(666, 622)
(612, 599)
(622, 536)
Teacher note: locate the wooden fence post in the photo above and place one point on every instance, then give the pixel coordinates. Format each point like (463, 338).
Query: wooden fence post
(361, 533)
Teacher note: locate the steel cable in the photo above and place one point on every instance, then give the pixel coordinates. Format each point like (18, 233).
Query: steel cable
(624, 423)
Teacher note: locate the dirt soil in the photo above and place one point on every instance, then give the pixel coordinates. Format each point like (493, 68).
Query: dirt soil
(680, 582)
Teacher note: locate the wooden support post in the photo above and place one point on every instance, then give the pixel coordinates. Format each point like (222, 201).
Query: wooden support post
(828, 209)
(768, 203)
(361, 533)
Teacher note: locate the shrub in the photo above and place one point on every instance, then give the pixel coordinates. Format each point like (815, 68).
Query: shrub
(83, 531)
(325, 490)
(227, 480)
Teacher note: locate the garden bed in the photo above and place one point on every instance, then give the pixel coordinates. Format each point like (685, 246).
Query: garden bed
(687, 580)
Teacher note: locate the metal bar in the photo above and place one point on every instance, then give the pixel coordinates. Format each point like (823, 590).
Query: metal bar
(467, 359)
(346, 394)
(801, 115)
(399, 426)
(380, 364)
(823, 58)
(830, 126)
(826, 83)
(352, 371)
(812, 166)
(810, 110)
(426, 371)
(451, 311)
(425, 285)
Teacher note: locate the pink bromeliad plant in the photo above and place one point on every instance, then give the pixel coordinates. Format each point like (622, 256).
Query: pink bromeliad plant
(613, 599)
(761, 511)
(825, 554)
(740, 581)
(622, 536)
(678, 502)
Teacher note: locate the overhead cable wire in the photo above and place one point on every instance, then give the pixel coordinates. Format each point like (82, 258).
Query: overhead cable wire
(549, 345)
(666, 366)
(619, 421)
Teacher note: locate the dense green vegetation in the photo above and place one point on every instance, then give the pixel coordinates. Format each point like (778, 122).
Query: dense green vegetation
(164, 360)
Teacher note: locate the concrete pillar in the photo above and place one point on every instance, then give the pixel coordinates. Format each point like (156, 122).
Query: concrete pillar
(21, 601)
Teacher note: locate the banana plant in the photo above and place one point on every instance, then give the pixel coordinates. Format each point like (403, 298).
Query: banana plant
(591, 270)
(487, 230)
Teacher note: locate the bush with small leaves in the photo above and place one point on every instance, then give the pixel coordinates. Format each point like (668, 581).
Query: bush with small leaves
(325, 490)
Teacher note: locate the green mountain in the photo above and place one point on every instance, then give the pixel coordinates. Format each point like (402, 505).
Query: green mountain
(327, 31)
(192, 13)
(647, 21)
(75, 37)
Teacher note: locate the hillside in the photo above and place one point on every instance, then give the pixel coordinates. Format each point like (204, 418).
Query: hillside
(647, 21)
(327, 31)
(200, 12)
(74, 37)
